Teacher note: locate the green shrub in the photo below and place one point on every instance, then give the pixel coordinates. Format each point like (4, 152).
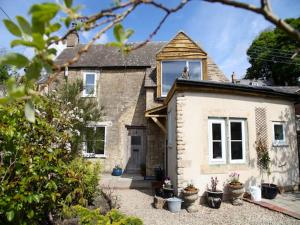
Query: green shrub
(93, 217)
(37, 172)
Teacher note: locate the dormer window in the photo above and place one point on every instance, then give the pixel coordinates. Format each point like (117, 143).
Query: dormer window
(184, 69)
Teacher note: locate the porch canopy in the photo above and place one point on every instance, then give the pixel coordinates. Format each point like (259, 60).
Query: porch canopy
(159, 116)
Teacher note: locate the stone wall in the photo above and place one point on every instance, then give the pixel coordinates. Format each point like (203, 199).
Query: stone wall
(123, 98)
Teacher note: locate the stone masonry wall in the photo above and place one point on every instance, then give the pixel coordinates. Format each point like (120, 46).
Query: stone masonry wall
(180, 142)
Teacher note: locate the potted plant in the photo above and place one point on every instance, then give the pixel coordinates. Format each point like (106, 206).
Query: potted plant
(268, 190)
(190, 196)
(168, 190)
(236, 188)
(117, 171)
(214, 196)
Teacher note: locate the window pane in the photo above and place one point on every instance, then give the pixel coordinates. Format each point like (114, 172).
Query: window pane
(99, 147)
(195, 70)
(170, 71)
(89, 89)
(89, 139)
(236, 130)
(278, 132)
(217, 150)
(216, 131)
(136, 140)
(236, 150)
(90, 79)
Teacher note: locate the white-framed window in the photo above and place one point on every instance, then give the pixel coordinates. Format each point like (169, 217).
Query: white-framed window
(171, 70)
(89, 84)
(279, 133)
(237, 141)
(94, 141)
(216, 138)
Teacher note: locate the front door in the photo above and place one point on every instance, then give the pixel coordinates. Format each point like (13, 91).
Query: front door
(136, 150)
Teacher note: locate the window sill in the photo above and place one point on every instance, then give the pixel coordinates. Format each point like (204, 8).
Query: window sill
(280, 145)
(92, 155)
(88, 96)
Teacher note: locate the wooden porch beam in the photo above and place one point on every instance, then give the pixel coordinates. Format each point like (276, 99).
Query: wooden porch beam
(159, 124)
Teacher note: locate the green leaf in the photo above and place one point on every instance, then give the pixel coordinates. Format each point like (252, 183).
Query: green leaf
(38, 40)
(22, 42)
(68, 3)
(29, 112)
(118, 32)
(44, 12)
(54, 27)
(30, 214)
(34, 70)
(25, 26)
(12, 28)
(15, 59)
(38, 26)
(10, 215)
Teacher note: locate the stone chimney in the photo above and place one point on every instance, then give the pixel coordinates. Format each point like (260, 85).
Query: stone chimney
(72, 39)
(233, 78)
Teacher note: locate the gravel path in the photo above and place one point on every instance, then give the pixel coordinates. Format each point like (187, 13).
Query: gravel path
(138, 203)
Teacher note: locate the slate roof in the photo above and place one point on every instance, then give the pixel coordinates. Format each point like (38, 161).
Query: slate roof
(105, 56)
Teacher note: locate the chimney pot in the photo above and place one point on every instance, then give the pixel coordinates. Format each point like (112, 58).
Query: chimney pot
(233, 78)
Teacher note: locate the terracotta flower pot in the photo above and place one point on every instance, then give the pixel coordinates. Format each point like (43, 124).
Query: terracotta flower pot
(190, 198)
(237, 190)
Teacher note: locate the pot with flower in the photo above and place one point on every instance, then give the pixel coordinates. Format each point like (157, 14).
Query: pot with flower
(117, 171)
(168, 190)
(236, 188)
(190, 196)
(214, 196)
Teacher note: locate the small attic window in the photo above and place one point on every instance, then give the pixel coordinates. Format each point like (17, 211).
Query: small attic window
(171, 70)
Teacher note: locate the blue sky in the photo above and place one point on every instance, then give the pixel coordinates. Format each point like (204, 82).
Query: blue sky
(224, 32)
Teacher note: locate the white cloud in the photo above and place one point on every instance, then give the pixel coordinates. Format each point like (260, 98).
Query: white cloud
(88, 35)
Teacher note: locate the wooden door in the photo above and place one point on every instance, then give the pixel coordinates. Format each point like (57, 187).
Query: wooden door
(136, 150)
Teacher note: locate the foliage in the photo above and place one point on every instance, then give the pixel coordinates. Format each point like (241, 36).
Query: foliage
(190, 187)
(270, 56)
(263, 158)
(213, 184)
(93, 217)
(83, 110)
(234, 178)
(37, 173)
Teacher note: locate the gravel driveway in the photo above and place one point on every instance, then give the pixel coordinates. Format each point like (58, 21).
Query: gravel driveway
(139, 203)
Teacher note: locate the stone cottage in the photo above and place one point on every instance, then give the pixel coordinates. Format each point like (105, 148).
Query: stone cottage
(168, 105)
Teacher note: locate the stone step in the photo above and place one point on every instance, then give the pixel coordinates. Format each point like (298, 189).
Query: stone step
(125, 181)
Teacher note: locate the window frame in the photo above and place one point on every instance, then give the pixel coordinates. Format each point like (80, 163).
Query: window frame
(84, 94)
(91, 154)
(243, 160)
(279, 142)
(211, 160)
(177, 60)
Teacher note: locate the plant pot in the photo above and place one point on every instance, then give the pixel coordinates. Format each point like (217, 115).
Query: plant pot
(117, 172)
(168, 192)
(269, 191)
(237, 191)
(190, 197)
(214, 199)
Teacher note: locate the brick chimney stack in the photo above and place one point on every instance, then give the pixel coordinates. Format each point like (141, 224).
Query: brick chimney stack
(233, 78)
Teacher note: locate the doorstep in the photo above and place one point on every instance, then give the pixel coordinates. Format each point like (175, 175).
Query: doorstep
(125, 181)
